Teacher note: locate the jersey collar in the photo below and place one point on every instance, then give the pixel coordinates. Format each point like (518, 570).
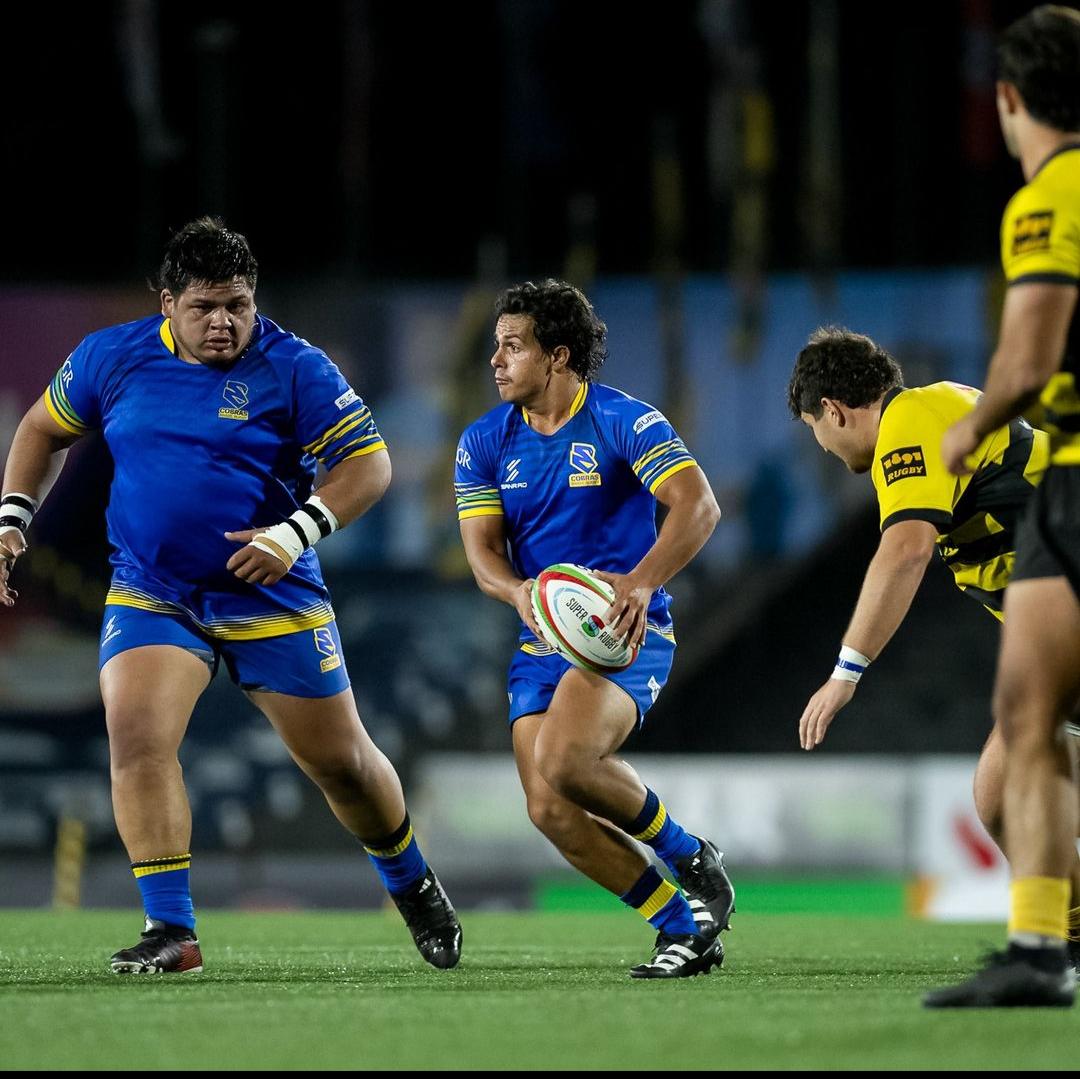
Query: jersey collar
(1065, 148)
(890, 397)
(575, 406)
(167, 339)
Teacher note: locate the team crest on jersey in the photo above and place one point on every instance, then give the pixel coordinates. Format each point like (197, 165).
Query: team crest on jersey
(583, 462)
(1031, 232)
(236, 393)
(324, 643)
(902, 463)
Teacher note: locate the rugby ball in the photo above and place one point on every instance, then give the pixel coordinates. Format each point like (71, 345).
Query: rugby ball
(569, 604)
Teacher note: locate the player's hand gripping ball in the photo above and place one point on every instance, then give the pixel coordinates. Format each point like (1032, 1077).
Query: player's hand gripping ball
(569, 604)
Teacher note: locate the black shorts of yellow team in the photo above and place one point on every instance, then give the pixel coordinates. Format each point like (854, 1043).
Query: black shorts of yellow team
(1048, 539)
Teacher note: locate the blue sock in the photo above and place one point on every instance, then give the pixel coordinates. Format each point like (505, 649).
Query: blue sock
(655, 828)
(397, 859)
(166, 891)
(661, 904)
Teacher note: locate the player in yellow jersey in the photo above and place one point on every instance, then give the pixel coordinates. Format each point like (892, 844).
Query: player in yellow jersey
(850, 393)
(1037, 361)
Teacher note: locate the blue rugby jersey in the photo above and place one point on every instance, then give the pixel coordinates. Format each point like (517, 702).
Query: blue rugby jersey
(585, 494)
(203, 449)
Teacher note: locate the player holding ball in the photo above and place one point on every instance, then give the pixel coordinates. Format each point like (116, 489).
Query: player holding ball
(569, 471)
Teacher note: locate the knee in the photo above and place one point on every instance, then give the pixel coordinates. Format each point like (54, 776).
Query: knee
(342, 777)
(564, 768)
(132, 750)
(552, 817)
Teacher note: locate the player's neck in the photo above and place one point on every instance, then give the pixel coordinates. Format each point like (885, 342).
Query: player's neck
(1041, 144)
(554, 407)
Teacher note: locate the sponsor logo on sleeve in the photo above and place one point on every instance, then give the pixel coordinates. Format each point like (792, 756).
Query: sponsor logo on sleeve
(463, 457)
(647, 421)
(236, 394)
(67, 373)
(1031, 232)
(346, 398)
(583, 462)
(902, 463)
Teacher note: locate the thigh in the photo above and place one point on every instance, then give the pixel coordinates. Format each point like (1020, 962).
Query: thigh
(1039, 663)
(320, 731)
(307, 664)
(588, 712)
(150, 692)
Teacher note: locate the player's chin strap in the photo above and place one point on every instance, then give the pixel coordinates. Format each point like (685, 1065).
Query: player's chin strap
(303, 529)
(16, 512)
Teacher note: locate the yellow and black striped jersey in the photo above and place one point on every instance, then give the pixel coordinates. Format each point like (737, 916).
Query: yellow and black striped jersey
(1040, 242)
(976, 515)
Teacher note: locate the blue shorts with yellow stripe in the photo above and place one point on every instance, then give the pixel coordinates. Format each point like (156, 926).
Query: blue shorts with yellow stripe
(537, 669)
(306, 663)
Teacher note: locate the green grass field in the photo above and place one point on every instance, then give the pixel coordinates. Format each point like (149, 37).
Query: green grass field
(536, 990)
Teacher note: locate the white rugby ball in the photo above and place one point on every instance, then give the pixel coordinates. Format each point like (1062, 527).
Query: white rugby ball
(569, 604)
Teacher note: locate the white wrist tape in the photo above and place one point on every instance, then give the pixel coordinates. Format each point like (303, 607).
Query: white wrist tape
(850, 665)
(303, 529)
(17, 511)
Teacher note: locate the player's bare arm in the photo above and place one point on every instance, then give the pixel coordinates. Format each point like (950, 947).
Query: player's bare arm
(1034, 329)
(692, 514)
(36, 457)
(485, 550)
(350, 490)
(892, 579)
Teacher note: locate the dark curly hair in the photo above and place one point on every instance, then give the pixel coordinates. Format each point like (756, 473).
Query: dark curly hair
(1040, 55)
(845, 366)
(205, 252)
(561, 315)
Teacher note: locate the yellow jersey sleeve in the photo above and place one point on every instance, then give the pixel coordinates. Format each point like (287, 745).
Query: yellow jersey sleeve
(1040, 236)
(909, 477)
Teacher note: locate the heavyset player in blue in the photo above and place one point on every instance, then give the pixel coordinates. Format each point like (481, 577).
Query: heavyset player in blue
(566, 470)
(216, 419)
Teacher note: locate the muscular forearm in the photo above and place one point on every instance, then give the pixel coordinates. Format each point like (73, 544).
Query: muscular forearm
(494, 574)
(354, 486)
(34, 461)
(891, 582)
(1011, 389)
(683, 533)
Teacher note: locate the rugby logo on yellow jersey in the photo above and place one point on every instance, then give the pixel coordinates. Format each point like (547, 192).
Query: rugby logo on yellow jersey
(324, 643)
(583, 462)
(1031, 232)
(236, 393)
(904, 462)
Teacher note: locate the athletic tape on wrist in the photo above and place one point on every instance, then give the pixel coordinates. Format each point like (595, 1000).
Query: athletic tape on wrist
(288, 540)
(850, 665)
(17, 511)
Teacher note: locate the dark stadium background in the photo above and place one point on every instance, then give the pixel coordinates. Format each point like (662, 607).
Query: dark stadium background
(720, 175)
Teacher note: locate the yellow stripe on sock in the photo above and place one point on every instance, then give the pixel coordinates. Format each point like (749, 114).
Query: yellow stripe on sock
(391, 851)
(162, 865)
(658, 900)
(1074, 923)
(1040, 905)
(654, 828)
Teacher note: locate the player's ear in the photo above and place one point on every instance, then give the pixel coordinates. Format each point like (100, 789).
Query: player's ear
(167, 302)
(833, 411)
(560, 358)
(1009, 99)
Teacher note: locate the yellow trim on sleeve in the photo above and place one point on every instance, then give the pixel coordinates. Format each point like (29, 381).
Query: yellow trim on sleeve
(482, 511)
(669, 473)
(67, 425)
(353, 419)
(364, 451)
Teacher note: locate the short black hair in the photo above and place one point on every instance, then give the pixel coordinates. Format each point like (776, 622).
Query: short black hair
(845, 366)
(561, 315)
(205, 252)
(1040, 55)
